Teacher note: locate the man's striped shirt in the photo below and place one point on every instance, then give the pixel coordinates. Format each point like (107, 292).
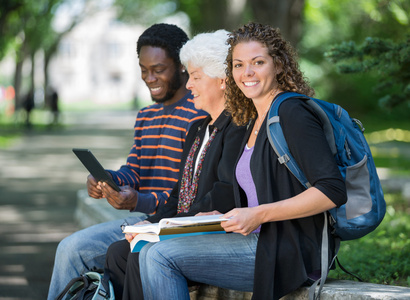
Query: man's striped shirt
(153, 163)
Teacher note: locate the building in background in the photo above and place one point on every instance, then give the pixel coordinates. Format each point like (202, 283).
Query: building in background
(97, 61)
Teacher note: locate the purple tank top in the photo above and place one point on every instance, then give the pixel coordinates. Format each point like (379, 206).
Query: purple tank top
(245, 180)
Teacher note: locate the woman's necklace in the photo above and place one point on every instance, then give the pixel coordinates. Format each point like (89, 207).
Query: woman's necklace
(273, 93)
(259, 120)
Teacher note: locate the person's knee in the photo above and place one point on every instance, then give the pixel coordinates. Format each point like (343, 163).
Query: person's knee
(157, 254)
(117, 251)
(133, 265)
(69, 247)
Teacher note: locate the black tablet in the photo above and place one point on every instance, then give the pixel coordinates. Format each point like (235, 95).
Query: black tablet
(94, 167)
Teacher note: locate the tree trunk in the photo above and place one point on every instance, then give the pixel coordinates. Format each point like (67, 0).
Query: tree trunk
(212, 19)
(230, 14)
(47, 59)
(219, 14)
(17, 83)
(18, 74)
(32, 73)
(286, 15)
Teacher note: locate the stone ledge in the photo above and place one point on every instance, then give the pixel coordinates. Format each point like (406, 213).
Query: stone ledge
(332, 290)
(93, 211)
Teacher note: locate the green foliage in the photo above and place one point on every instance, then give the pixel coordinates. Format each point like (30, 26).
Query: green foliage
(25, 20)
(9, 27)
(390, 60)
(382, 256)
(335, 22)
(144, 12)
(203, 15)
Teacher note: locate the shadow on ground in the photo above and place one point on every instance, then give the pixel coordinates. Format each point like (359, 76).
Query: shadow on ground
(39, 179)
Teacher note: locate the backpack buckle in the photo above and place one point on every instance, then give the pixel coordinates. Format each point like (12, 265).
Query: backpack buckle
(283, 159)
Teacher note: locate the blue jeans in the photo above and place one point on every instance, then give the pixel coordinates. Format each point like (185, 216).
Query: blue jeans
(224, 260)
(83, 250)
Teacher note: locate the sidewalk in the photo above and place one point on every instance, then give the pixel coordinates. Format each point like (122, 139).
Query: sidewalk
(39, 180)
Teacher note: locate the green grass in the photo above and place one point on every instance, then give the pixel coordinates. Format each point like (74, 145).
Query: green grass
(7, 139)
(382, 256)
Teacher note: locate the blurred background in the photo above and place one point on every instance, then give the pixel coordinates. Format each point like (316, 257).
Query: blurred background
(69, 77)
(353, 52)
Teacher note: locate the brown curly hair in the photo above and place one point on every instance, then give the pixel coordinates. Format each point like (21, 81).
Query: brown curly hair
(284, 57)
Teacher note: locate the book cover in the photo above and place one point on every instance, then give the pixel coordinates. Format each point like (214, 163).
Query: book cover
(174, 227)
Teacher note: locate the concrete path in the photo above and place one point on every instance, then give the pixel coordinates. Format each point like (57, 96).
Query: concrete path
(39, 179)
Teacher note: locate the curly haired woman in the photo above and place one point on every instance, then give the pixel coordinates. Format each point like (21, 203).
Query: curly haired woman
(276, 230)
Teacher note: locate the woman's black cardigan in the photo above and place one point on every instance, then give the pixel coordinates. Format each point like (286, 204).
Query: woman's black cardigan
(288, 252)
(215, 190)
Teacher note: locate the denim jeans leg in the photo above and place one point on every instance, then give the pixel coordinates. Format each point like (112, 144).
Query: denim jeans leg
(224, 260)
(83, 250)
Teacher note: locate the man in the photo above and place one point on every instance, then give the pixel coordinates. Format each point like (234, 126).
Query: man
(153, 163)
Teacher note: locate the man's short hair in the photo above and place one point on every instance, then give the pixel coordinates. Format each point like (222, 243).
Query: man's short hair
(166, 36)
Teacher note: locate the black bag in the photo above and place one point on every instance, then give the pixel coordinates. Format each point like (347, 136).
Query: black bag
(89, 286)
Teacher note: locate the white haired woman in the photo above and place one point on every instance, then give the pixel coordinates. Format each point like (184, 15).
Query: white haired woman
(205, 183)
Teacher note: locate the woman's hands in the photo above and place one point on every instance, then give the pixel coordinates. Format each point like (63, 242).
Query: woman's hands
(214, 212)
(242, 220)
(130, 236)
(247, 219)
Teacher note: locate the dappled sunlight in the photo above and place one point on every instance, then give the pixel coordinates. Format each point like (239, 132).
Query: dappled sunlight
(54, 168)
(28, 226)
(388, 135)
(12, 268)
(22, 249)
(383, 173)
(392, 152)
(37, 215)
(50, 237)
(12, 280)
(20, 172)
(10, 214)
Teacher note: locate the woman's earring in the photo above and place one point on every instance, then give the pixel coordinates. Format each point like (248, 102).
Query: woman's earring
(183, 70)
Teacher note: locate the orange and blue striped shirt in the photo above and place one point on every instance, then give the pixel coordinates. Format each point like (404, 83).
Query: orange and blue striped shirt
(153, 163)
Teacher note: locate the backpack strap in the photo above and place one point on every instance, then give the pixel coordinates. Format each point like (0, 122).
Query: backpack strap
(69, 285)
(325, 266)
(280, 146)
(102, 281)
(346, 271)
(278, 141)
(326, 125)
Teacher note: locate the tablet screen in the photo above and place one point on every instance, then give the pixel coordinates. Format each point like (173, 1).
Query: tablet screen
(94, 167)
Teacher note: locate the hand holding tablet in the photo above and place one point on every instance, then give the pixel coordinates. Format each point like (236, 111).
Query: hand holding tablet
(94, 167)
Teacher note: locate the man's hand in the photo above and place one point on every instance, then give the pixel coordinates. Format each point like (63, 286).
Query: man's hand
(93, 188)
(125, 199)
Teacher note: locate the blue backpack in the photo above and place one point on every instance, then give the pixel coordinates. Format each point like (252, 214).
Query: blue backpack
(365, 206)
